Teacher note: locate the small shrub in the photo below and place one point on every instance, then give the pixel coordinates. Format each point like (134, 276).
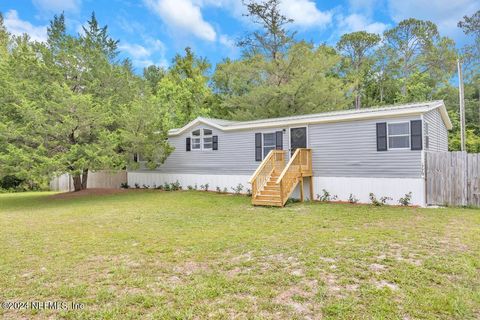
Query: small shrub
(225, 190)
(218, 189)
(249, 192)
(166, 186)
(175, 186)
(324, 197)
(124, 185)
(376, 202)
(352, 199)
(204, 187)
(145, 186)
(384, 200)
(373, 200)
(159, 187)
(195, 187)
(238, 189)
(407, 200)
(189, 187)
(137, 186)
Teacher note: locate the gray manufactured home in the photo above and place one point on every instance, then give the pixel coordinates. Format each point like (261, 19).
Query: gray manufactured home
(347, 153)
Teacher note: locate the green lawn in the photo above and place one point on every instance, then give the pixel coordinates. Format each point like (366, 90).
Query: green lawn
(152, 254)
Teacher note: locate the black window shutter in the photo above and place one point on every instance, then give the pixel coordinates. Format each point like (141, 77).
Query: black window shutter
(382, 136)
(258, 147)
(215, 142)
(279, 140)
(188, 144)
(416, 134)
(135, 157)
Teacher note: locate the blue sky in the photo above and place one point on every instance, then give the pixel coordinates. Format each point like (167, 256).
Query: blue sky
(153, 31)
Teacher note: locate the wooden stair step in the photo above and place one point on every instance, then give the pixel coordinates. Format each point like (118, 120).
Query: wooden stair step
(268, 197)
(270, 192)
(272, 188)
(267, 203)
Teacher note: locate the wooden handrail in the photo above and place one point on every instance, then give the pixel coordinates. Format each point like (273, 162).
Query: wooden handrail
(300, 165)
(263, 164)
(274, 161)
(297, 152)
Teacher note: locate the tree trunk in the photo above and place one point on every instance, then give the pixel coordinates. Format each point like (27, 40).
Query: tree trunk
(77, 182)
(358, 103)
(84, 179)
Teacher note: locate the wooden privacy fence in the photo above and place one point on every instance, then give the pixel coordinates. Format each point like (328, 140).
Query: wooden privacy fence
(452, 178)
(102, 179)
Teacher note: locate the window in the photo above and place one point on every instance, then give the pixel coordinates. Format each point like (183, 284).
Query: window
(269, 143)
(399, 135)
(196, 140)
(202, 139)
(207, 139)
(427, 138)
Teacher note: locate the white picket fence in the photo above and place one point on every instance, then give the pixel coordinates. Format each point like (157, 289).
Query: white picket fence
(103, 179)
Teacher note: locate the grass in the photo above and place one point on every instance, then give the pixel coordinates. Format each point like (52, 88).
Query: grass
(192, 254)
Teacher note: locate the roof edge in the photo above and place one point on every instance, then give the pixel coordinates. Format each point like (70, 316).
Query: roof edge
(324, 118)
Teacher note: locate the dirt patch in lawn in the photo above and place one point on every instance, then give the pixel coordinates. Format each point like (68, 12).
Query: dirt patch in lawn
(90, 192)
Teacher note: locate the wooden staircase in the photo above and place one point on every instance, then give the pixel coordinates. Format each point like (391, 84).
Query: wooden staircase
(270, 194)
(273, 182)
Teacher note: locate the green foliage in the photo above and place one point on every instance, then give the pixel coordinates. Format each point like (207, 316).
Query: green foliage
(406, 200)
(238, 189)
(273, 39)
(378, 202)
(302, 82)
(153, 75)
(70, 108)
(356, 48)
(352, 199)
(184, 90)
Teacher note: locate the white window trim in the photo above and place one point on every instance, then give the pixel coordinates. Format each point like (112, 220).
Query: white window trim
(426, 135)
(399, 135)
(263, 142)
(201, 137)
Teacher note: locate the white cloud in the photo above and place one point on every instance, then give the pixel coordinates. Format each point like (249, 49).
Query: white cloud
(183, 16)
(136, 51)
(227, 41)
(305, 13)
(445, 13)
(144, 55)
(365, 7)
(358, 22)
(57, 6)
(17, 26)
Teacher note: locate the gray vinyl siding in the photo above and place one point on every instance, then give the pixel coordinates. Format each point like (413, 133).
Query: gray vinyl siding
(349, 149)
(235, 154)
(340, 149)
(438, 133)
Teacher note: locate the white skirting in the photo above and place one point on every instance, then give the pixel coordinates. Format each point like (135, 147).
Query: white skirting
(360, 188)
(222, 181)
(341, 187)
